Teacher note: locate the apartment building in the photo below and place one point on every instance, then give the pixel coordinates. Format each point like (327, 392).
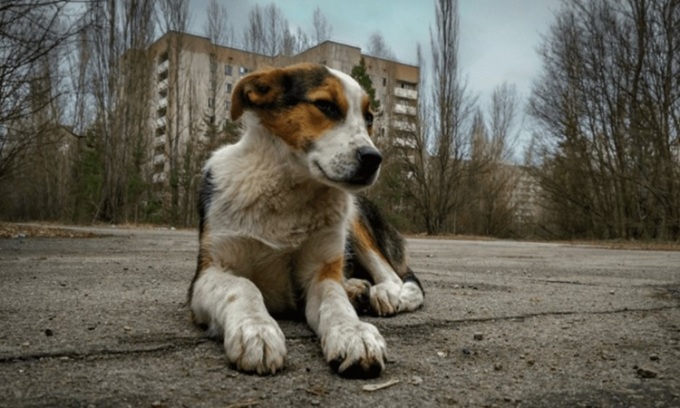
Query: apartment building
(194, 79)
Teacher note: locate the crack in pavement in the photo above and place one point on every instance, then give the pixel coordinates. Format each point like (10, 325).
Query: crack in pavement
(441, 323)
(182, 343)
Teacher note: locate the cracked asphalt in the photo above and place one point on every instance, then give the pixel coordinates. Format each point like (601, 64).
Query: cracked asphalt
(99, 322)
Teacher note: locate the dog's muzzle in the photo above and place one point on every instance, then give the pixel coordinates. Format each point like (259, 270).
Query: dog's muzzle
(368, 159)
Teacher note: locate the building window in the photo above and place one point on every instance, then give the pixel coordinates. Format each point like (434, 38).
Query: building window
(228, 69)
(229, 88)
(384, 81)
(243, 70)
(211, 102)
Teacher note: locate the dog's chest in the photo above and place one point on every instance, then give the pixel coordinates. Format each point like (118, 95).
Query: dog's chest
(278, 210)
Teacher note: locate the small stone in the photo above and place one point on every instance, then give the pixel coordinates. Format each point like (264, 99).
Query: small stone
(612, 292)
(127, 328)
(498, 367)
(49, 333)
(478, 336)
(654, 357)
(643, 372)
(416, 380)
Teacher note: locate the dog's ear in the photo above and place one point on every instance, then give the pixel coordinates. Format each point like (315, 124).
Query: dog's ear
(258, 90)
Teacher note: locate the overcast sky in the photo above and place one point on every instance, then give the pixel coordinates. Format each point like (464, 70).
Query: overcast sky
(498, 38)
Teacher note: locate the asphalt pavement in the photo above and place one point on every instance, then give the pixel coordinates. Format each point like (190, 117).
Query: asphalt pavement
(101, 322)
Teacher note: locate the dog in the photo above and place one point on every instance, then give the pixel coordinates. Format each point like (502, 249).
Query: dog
(282, 230)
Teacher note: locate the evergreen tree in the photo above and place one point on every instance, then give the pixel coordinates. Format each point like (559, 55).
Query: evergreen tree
(360, 75)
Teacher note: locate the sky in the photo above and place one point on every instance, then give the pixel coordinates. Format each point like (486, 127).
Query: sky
(498, 38)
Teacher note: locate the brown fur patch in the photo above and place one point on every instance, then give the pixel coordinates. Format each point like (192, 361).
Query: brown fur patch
(364, 239)
(204, 258)
(284, 100)
(331, 270)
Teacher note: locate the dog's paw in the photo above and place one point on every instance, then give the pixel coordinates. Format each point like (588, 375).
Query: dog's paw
(358, 292)
(256, 344)
(390, 298)
(355, 349)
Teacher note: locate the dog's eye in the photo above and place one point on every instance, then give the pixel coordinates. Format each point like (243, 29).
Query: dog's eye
(369, 119)
(328, 108)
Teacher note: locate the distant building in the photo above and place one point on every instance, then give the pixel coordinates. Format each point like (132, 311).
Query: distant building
(202, 75)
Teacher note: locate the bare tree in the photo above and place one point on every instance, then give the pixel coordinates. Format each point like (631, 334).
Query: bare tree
(377, 47)
(321, 28)
(607, 110)
(217, 27)
(119, 69)
(175, 16)
(436, 145)
(267, 31)
(491, 177)
(31, 31)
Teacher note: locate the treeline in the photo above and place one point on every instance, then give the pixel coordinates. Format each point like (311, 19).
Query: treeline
(604, 161)
(607, 111)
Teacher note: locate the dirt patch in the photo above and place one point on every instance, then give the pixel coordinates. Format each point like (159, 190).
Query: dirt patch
(16, 231)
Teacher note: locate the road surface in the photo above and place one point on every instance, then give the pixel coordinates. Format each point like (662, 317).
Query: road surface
(99, 322)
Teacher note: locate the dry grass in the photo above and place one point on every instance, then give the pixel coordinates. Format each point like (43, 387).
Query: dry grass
(630, 245)
(9, 230)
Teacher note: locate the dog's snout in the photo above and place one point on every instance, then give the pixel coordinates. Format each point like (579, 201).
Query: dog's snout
(368, 159)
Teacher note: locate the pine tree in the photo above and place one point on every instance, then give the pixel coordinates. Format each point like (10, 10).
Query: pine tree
(360, 75)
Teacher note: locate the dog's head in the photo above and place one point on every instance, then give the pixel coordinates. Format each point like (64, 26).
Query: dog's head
(321, 114)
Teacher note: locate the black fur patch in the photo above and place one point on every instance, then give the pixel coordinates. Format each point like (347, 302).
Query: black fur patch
(387, 238)
(205, 193)
(411, 277)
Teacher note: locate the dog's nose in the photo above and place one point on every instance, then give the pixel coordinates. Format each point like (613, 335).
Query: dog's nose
(369, 160)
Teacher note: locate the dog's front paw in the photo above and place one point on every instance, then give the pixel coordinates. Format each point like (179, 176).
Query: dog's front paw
(355, 349)
(256, 344)
(389, 298)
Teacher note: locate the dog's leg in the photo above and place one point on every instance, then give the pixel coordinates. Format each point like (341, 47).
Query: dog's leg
(352, 347)
(380, 251)
(390, 293)
(233, 307)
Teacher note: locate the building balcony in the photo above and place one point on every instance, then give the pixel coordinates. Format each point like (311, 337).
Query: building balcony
(160, 122)
(159, 141)
(162, 86)
(162, 103)
(404, 125)
(406, 93)
(405, 109)
(158, 159)
(163, 67)
(159, 178)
